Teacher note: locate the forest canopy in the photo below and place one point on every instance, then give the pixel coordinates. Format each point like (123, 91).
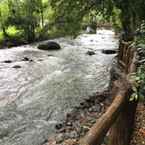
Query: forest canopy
(40, 19)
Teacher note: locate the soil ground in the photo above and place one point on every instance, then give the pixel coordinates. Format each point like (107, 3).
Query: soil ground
(138, 137)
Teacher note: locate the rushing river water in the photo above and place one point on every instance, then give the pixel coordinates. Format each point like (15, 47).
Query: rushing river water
(37, 94)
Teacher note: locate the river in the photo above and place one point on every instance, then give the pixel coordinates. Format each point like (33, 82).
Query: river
(38, 88)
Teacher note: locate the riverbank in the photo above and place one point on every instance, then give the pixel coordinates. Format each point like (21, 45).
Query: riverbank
(16, 40)
(80, 120)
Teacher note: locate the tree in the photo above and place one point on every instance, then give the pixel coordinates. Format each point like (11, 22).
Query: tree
(3, 17)
(25, 15)
(131, 12)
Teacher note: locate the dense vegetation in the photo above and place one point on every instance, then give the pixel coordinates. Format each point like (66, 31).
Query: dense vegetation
(39, 19)
(29, 20)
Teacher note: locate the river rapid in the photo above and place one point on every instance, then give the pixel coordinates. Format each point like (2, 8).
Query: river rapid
(38, 88)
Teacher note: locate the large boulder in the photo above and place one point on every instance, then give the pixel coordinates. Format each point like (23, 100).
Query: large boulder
(49, 46)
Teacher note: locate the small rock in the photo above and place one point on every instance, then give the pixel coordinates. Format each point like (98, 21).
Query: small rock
(16, 66)
(86, 128)
(72, 134)
(69, 124)
(109, 51)
(96, 108)
(59, 126)
(60, 138)
(7, 61)
(25, 59)
(31, 60)
(90, 53)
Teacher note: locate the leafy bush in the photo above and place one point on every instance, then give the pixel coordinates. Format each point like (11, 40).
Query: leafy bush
(138, 80)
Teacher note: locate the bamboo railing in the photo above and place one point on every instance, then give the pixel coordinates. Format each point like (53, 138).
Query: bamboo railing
(119, 117)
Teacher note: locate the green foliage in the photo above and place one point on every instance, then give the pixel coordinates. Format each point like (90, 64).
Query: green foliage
(24, 15)
(69, 15)
(115, 19)
(34, 18)
(138, 80)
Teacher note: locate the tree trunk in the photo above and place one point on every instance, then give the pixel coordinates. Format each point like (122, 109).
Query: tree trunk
(42, 18)
(4, 32)
(127, 22)
(122, 129)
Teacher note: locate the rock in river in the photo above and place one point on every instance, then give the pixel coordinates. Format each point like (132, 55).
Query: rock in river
(16, 66)
(49, 46)
(7, 61)
(90, 53)
(109, 51)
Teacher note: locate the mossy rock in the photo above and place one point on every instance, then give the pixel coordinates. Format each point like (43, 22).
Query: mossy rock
(49, 46)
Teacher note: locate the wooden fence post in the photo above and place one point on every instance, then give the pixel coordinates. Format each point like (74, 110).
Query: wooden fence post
(123, 127)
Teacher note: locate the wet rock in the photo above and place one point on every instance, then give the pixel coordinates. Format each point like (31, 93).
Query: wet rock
(59, 126)
(16, 66)
(84, 105)
(95, 108)
(49, 46)
(27, 59)
(72, 134)
(90, 53)
(30, 60)
(7, 61)
(85, 128)
(109, 51)
(60, 138)
(50, 55)
(69, 124)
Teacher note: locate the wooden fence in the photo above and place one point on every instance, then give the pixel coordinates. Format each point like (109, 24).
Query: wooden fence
(118, 120)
